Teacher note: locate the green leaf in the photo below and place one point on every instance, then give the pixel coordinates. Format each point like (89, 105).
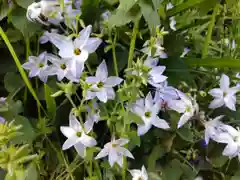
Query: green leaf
(219, 161)
(150, 15)
(28, 132)
(12, 81)
(173, 170)
(186, 134)
(213, 62)
(133, 117)
(51, 104)
(31, 172)
(183, 6)
(236, 176)
(126, 12)
(19, 20)
(3, 9)
(24, 3)
(134, 138)
(157, 152)
(154, 176)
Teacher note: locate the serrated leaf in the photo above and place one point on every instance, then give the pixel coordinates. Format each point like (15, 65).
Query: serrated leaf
(51, 104)
(24, 3)
(150, 15)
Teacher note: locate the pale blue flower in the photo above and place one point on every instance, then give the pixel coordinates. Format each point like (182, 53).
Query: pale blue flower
(149, 48)
(63, 68)
(101, 84)
(38, 67)
(77, 136)
(155, 73)
(148, 111)
(224, 95)
(77, 49)
(115, 152)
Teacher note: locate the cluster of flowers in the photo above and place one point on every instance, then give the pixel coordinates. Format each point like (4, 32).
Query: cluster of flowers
(69, 63)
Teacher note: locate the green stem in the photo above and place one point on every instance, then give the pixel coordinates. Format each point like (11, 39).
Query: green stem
(38, 107)
(132, 44)
(124, 168)
(114, 54)
(209, 32)
(20, 69)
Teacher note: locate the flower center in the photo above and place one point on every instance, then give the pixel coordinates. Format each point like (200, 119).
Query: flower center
(100, 84)
(188, 109)
(140, 178)
(224, 94)
(63, 66)
(114, 145)
(78, 134)
(77, 51)
(40, 65)
(147, 114)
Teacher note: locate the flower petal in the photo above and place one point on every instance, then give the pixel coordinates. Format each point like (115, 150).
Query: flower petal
(102, 95)
(103, 153)
(92, 44)
(125, 152)
(160, 123)
(230, 102)
(81, 150)
(224, 82)
(216, 92)
(143, 128)
(82, 57)
(230, 150)
(148, 101)
(184, 118)
(216, 103)
(70, 142)
(67, 131)
(102, 71)
(74, 123)
(113, 81)
(87, 140)
(113, 157)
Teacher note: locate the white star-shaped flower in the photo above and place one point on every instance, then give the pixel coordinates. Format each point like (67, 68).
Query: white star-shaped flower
(101, 84)
(76, 136)
(139, 174)
(38, 67)
(165, 93)
(148, 111)
(224, 95)
(63, 68)
(155, 73)
(214, 129)
(186, 106)
(77, 49)
(115, 152)
(232, 139)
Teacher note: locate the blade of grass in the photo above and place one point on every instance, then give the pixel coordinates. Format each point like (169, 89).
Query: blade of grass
(213, 62)
(183, 6)
(209, 32)
(20, 69)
